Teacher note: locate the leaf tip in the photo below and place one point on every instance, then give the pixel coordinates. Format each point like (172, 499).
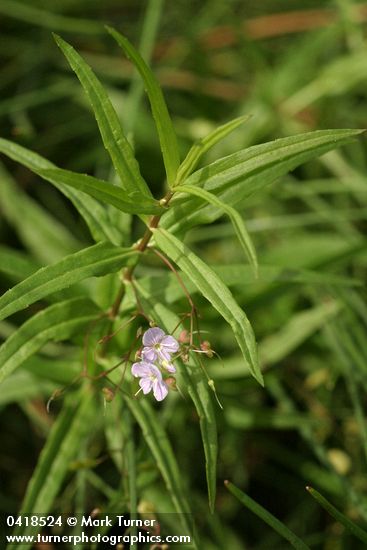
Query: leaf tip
(109, 29)
(57, 38)
(259, 378)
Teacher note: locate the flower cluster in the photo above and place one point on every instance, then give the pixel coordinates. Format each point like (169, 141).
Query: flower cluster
(155, 359)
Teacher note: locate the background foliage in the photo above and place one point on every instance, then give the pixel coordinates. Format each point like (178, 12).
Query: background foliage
(293, 71)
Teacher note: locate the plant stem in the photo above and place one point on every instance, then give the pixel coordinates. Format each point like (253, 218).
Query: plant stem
(141, 247)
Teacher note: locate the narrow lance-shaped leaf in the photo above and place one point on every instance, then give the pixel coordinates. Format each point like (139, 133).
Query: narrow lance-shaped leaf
(160, 447)
(109, 125)
(295, 331)
(338, 516)
(267, 517)
(63, 445)
(196, 383)
(94, 261)
(94, 213)
(50, 20)
(237, 222)
(42, 234)
(199, 148)
(23, 386)
(166, 133)
(218, 294)
(15, 264)
(57, 322)
(104, 191)
(235, 177)
(165, 287)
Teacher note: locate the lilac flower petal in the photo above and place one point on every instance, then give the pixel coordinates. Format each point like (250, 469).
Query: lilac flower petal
(142, 369)
(170, 344)
(146, 384)
(160, 390)
(164, 355)
(155, 372)
(170, 367)
(149, 354)
(153, 336)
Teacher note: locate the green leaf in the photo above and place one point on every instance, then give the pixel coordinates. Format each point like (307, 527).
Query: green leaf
(42, 234)
(103, 191)
(159, 445)
(235, 177)
(267, 517)
(58, 371)
(57, 322)
(203, 145)
(165, 287)
(22, 386)
(299, 327)
(166, 134)
(237, 222)
(94, 261)
(218, 294)
(109, 125)
(341, 518)
(94, 213)
(195, 382)
(47, 19)
(71, 428)
(269, 419)
(15, 264)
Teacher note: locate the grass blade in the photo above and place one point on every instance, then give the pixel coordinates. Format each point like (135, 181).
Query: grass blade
(166, 133)
(46, 237)
(295, 331)
(43, 18)
(341, 518)
(63, 445)
(159, 445)
(267, 517)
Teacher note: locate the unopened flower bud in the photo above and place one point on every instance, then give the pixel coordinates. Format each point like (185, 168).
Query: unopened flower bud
(108, 394)
(95, 512)
(206, 347)
(138, 354)
(171, 383)
(184, 337)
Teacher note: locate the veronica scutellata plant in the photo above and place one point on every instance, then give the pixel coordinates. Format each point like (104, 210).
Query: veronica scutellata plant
(164, 347)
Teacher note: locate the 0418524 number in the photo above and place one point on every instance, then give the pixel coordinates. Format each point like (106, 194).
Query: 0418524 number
(34, 521)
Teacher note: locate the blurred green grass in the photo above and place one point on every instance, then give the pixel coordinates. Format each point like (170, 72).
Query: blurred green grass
(292, 73)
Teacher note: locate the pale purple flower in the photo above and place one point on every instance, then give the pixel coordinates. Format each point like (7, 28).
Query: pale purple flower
(150, 378)
(159, 346)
